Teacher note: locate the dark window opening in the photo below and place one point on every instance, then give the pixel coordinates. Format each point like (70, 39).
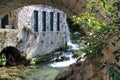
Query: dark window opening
(43, 21)
(58, 21)
(4, 21)
(51, 21)
(36, 21)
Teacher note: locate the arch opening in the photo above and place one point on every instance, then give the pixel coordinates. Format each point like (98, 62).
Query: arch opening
(10, 56)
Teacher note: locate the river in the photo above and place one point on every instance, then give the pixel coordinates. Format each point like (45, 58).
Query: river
(29, 73)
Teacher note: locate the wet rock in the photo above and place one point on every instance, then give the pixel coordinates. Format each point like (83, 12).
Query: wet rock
(65, 58)
(62, 58)
(58, 60)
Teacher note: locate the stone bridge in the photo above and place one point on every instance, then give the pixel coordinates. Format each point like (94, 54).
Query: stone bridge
(70, 7)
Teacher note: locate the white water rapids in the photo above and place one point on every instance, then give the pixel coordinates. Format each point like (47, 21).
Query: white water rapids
(65, 63)
(69, 54)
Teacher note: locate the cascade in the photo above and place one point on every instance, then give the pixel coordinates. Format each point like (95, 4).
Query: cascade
(69, 42)
(67, 54)
(69, 59)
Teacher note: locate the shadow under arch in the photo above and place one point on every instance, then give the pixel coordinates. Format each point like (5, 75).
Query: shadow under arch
(12, 56)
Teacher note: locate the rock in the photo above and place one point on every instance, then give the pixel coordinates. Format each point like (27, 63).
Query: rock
(58, 60)
(64, 58)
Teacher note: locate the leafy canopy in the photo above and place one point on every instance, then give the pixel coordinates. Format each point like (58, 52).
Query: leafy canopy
(96, 29)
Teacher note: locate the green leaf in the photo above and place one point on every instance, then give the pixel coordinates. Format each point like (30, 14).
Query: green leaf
(113, 44)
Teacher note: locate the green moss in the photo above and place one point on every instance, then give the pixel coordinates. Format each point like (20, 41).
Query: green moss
(40, 59)
(63, 48)
(77, 53)
(27, 29)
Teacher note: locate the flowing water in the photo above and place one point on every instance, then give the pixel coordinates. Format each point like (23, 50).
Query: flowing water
(68, 53)
(65, 63)
(69, 42)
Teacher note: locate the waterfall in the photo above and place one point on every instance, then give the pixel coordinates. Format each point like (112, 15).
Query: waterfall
(69, 42)
(67, 54)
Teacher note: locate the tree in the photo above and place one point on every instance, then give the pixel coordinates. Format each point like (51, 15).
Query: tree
(97, 30)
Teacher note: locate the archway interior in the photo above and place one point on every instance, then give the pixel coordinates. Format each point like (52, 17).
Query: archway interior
(12, 55)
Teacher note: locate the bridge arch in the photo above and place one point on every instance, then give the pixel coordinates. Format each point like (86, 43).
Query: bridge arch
(12, 55)
(70, 7)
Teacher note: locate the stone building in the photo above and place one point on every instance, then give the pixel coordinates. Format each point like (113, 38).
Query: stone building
(40, 29)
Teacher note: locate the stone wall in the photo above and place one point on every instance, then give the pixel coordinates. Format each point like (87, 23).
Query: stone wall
(8, 37)
(41, 42)
(26, 17)
(31, 44)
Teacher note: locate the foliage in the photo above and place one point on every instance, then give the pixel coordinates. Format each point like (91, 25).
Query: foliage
(88, 21)
(96, 29)
(74, 27)
(2, 59)
(38, 59)
(114, 74)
